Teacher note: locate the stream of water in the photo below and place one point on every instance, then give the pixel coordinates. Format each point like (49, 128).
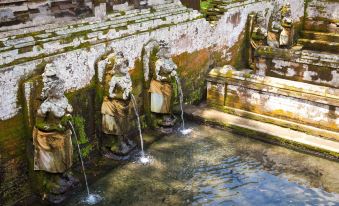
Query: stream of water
(143, 158)
(183, 130)
(91, 199)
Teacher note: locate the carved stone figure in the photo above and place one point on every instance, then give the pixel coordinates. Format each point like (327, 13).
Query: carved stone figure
(52, 138)
(275, 28)
(286, 23)
(161, 87)
(53, 150)
(115, 110)
(280, 34)
(258, 34)
(160, 75)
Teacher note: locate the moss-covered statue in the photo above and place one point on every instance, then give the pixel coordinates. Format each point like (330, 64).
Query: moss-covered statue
(53, 150)
(160, 73)
(258, 35)
(280, 32)
(286, 34)
(115, 109)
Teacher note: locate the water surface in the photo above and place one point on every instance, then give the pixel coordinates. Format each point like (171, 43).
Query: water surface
(214, 167)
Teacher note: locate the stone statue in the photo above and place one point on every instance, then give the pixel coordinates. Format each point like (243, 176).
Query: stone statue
(161, 88)
(258, 34)
(280, 33)
(286, 23)
(115, 110)
(53, 150)
(160, 78)
(275, 28)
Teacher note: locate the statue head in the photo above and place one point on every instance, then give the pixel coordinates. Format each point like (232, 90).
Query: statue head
(260, 18)
(164, 50)
(286, 10)
(121, 63)
(53, 85)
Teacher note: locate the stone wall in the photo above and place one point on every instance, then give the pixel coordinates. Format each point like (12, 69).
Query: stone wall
(325, 9)
(300, 65)
(291, 100)
(76, 47)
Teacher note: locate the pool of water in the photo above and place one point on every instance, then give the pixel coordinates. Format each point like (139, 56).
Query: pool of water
(214, 167)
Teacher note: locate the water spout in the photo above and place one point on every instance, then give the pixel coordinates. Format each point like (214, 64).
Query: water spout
(143, 159)
(183, 130)
(91, 198)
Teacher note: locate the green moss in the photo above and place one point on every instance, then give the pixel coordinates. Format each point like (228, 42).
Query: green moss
(119, 28)
(79, 126)
(122, 13)
(130, 22)
(152, 10)
(2, 44)
(193, 69)
(25, 49)
(204, 5)
(32, 34)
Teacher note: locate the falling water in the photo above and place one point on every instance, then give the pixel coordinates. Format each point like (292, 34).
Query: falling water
(91, 198)
(143, 158)
(183, 130)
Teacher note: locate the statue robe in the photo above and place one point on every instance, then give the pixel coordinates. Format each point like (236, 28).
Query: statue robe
(53, 150)
(161, 93)
(115, 116)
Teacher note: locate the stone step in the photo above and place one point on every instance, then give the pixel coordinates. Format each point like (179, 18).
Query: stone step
(320, 56)
(269, 131)
(321, 26)
(319, 45)
(312, 35)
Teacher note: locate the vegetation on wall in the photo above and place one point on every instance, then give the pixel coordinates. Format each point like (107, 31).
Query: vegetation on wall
(193, 69)
(79, 126)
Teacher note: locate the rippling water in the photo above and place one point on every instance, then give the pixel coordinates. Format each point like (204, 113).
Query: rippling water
(214, 167)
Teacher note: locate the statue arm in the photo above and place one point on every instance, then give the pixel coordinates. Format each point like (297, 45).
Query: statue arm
(112, 84)
(174, 69)
(158, 66)
(69, 109)
(128, 89)
(43, 109)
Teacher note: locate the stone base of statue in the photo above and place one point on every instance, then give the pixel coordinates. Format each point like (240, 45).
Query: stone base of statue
(116, 127)
(166, 124)
(60, 187)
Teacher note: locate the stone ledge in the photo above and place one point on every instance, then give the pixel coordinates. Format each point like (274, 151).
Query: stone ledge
(42, 48)
(314, 131)
(266, 132)
(321, 94)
